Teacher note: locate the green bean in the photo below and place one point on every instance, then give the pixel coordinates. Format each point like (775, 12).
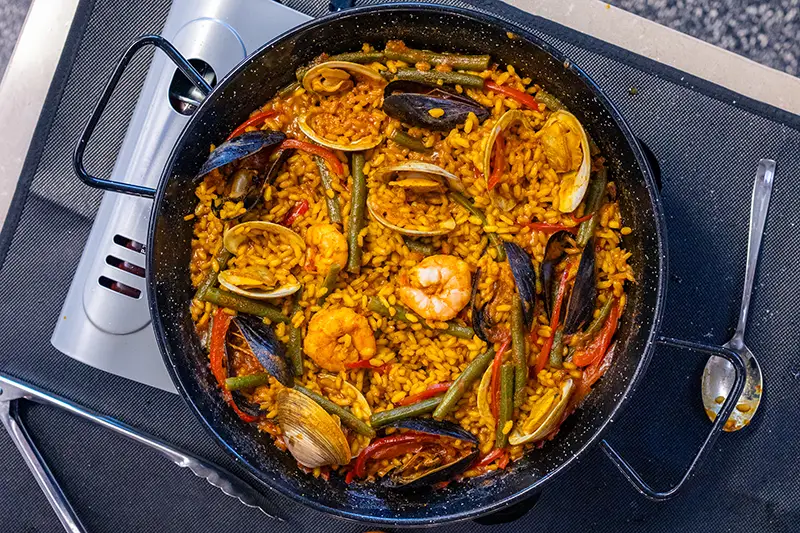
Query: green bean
(409, 141)
(332, 202)
(422, 407)
(553, 103)
(419, 247)
(494, 238)
(222, 259)
(473, 371)
(350, 57)
(597, 323)
(288, 90)
(432, 77)
(456, 61)
(506, 407)
(247, 382)
(348, 418)
(329, 283)
(519, 351)
(402, 314)
(244, 305)
(594, 199)
(295, 346)
(557, 350)
(358, 202)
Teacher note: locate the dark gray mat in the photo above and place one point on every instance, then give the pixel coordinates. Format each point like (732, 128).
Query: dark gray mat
(707, 142)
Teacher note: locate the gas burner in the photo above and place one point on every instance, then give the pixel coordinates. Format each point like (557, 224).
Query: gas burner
(105, 320)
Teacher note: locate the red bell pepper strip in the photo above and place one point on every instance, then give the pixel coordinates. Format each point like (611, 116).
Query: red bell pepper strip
(498, 163)
(385, 445)
(551, 228)
(324, 153)
(596, 349)
(590, 376)
(544, 355)
(366, 364)
(515, 94)
(503, 462)
(584, 218)
(350, 476)
(491, 457)
(222, 322)
(494, 387)
(299, 209)
(432, 390)
(256, 119)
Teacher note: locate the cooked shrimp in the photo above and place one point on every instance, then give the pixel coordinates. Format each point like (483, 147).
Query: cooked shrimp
(325, 246)
(437, 288)
(337, 337)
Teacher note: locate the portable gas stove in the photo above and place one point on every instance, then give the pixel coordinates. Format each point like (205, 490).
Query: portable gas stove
(105, 320)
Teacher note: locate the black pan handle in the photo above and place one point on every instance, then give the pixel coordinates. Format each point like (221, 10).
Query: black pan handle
(77, 159)
(727, 408)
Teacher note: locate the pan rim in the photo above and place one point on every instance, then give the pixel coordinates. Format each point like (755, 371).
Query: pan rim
(660, 284)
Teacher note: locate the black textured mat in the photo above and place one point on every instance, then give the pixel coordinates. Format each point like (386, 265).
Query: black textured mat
(707, 142)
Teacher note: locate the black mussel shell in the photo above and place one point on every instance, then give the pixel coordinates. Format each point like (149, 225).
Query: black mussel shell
(480, 319)
(241, 401)
(239, 147)
(266, 347)
(554, 253)
(410, 103)
(584, 292)
(396, 480)
(525, 278)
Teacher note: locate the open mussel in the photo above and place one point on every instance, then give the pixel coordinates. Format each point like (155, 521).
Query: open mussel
(429, 107)
(312, 436)
(443, 451)
(240, 147)
(525, 278)
(566, 147)
(583, 294)
(250, 335)
(554, 253)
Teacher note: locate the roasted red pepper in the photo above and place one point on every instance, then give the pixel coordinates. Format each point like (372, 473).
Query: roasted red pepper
(491, 457)
(515, 94)
(494, 387)
(324, 153)
(589, 377)
(299, 209)
(219, 331)
(255, 120)
(584, 218)
(498, 163)
(550, 228)
(596, 349)
(544, 355)
(386, 446)
(432, 390)
(366, 364)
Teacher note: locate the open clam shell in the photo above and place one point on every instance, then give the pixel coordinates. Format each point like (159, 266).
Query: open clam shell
(332, 77)
(558, 146)
(303, 122)
(360, 406)
(506, 121)
(545, 416)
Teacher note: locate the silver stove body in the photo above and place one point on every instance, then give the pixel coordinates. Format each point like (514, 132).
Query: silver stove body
(105, 320)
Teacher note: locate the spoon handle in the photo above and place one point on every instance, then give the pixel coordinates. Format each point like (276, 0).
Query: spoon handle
(758, 217)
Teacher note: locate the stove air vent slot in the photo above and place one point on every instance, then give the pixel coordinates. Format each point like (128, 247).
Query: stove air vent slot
(121, 288)
(130, 244)
(125, 266)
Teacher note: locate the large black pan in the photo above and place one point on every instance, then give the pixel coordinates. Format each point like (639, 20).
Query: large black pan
(252, 83)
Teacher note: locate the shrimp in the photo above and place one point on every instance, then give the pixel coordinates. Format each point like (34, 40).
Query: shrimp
(336, 337)
(325, 246)
(437, 288)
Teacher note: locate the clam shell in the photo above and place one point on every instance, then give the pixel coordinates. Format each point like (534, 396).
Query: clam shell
(362, 144)
(311, 435)
(507, 120)
(446, 227)
(545, 418)
(332, 67)
(573, 184)
(360, 400)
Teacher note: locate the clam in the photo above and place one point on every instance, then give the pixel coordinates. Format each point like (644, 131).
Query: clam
(311, 435)
(484, 401)
(333, 77)
(365, 143)
(435, 460)
(428, 107)
(566, 147)
(257, 281)
(506, 121)
(545, 415)
(420, 178)
(360, 406)
(251, 335)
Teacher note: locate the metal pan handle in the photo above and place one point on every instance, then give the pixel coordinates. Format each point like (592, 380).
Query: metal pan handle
(727, 408)
(77, 159)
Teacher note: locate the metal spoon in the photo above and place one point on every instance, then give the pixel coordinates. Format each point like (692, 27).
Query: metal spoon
(718, 375)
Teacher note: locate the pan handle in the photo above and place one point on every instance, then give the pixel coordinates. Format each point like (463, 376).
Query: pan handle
(77, 159)
(727, 408)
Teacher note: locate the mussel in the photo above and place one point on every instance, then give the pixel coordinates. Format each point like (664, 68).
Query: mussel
(333, 77)
(582, 297)
(566, 147)
(433, 460)
(482, 323)
(545, 415)
(525, 278)
(420, 178)
(311, 435)
(428, 107)
(239, 147)
(249, 334)
(257, 281)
